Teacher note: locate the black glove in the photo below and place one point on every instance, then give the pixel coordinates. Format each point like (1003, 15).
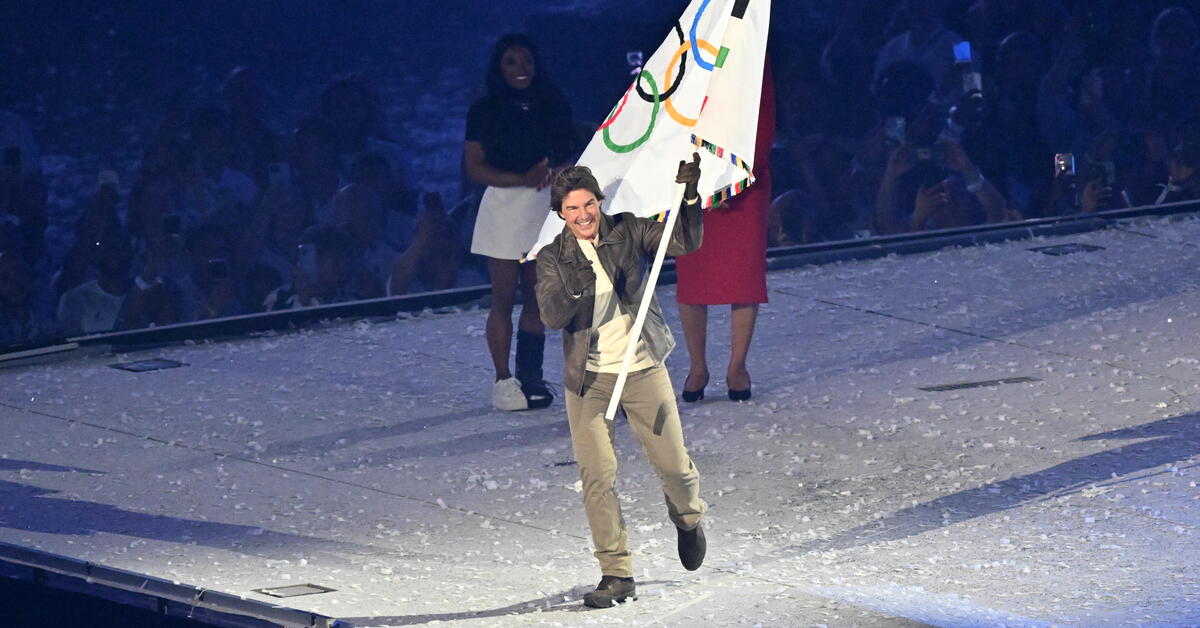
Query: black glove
(689, 176)
(578, 276)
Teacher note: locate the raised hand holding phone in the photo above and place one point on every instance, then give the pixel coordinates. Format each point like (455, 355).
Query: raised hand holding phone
(1064, 164)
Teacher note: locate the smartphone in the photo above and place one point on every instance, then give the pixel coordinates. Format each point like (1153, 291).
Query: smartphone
(962, 52)
(279, 173)
(307, 261)
(1064, 163)
(172, 224)
(12, 157)
(109, 178)
(218, 269)
(894, 129)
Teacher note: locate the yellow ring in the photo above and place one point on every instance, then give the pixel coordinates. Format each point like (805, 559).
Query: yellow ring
(685, 121)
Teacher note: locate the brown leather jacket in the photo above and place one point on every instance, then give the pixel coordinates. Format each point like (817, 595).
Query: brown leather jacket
(626, 247)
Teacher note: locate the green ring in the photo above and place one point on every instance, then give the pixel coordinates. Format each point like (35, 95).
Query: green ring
(625, 148)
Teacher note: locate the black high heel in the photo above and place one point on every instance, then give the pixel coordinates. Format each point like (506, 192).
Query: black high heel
(692, 396)
(739, 395)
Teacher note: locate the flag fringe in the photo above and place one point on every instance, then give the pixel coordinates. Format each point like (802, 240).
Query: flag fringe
(724, 194)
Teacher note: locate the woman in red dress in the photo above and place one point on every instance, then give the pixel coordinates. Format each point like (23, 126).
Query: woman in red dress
(731, 267)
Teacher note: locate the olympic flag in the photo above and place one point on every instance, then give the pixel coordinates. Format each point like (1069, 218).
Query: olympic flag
(698, 92)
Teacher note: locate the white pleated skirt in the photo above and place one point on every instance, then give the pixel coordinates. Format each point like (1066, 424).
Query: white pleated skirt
(509, 221)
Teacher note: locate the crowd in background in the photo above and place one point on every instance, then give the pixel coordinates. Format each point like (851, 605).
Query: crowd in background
(910, 115)
(225, 217)
(946, 114)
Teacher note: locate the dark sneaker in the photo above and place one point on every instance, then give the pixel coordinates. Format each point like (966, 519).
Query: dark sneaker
(611, 590)
(537, 395)
(692, 547)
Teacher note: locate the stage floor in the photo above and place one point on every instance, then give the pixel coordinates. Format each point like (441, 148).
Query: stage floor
(364, 457)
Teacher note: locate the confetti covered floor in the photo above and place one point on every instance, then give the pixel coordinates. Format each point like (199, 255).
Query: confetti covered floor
(976, 437)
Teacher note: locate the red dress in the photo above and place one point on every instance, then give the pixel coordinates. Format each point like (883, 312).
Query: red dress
(731, 263)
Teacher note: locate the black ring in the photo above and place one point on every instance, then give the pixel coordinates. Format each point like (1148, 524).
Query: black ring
(637, 84)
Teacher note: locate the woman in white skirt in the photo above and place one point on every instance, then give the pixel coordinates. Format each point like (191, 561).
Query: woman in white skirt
(517, 136)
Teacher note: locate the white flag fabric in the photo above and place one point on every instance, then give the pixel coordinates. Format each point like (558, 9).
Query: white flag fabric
(699, 92)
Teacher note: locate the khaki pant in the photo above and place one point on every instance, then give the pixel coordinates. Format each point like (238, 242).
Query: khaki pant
(649, 403)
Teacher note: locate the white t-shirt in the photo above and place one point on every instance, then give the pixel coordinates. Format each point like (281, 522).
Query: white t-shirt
(88, 309)
(607, 349)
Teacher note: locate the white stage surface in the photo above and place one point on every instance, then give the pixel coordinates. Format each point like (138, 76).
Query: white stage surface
(364, 457)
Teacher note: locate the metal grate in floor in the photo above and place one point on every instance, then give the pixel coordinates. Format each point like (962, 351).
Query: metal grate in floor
(1067, 249)
(145, 366)
(294, 590)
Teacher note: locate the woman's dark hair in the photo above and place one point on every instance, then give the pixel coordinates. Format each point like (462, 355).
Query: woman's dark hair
(496, 86)
(569, 180)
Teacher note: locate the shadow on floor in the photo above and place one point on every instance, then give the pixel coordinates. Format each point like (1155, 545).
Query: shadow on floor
(568, 601)
(1171, 440)
(9, 464)
(36, 509)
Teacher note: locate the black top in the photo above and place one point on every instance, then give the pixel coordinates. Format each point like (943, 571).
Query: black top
(517, 132)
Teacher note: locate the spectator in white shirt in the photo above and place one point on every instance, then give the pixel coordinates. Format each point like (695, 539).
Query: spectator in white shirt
(95, 306)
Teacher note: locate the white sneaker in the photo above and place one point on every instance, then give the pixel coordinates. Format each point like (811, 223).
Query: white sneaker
(507, 395)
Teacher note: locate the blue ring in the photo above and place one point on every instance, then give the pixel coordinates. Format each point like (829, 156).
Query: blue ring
(696, 49)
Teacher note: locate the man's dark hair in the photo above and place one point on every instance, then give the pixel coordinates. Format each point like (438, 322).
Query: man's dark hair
(569, 180)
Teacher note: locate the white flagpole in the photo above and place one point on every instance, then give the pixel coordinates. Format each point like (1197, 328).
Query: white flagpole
(635, 333)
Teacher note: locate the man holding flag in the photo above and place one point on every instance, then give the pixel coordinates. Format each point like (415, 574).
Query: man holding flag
(697, 92)
(589, 279)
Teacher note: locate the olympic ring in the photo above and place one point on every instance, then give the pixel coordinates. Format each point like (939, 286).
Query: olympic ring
(625, 148)
(681, 119)
(682, 68)
(617, 111)
(695, 52)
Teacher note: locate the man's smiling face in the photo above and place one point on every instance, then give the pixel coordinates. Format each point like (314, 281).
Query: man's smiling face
(581, 211)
